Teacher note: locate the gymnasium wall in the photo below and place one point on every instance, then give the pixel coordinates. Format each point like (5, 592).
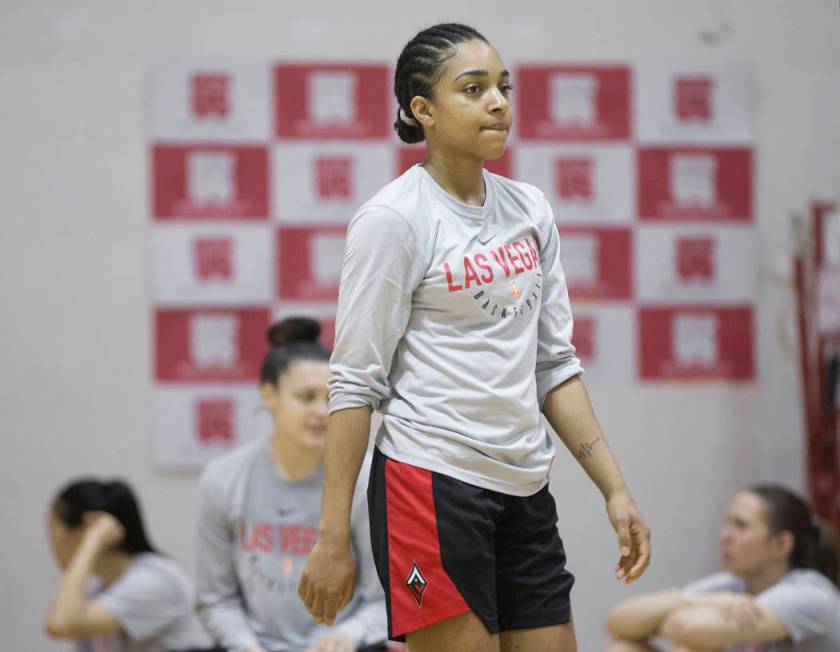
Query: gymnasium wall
(74, 238)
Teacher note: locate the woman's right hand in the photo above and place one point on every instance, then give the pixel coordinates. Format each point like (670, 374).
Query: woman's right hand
(326, 586)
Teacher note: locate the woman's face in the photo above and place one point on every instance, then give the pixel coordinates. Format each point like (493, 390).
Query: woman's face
(299, 402)
(63, 540)
(747, 545)
(469, 111)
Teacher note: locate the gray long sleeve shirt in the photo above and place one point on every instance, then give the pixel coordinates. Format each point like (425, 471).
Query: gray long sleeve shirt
(454, 321)
(255, 532)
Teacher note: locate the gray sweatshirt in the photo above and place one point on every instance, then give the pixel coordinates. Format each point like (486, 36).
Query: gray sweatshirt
(255, 532)
(454, 321)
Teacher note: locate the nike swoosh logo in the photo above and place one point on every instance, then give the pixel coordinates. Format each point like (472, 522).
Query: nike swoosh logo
(486, 239)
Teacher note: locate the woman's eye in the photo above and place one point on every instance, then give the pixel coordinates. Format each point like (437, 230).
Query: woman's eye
(506, 88)
(472, 89)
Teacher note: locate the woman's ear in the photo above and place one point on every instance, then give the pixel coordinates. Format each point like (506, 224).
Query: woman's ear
(268, 394)
(422, 111)
(785, 542)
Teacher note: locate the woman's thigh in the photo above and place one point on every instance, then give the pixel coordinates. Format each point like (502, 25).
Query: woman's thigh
(464, 633)
(554, 638)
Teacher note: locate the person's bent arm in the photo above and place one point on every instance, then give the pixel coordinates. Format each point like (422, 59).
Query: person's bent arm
(326, 585)
(72, 614)
(641, 617)
(569, 411)
(722, 620)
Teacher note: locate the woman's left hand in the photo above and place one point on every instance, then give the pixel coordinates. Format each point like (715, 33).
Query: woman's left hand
(104, 529)
(335, 642)
(633, 536)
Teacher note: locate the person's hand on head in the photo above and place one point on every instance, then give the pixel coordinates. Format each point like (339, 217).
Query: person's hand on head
(633, 536)
(334, 642)
(103, 528)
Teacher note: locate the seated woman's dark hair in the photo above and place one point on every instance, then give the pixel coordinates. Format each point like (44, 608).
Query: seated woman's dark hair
(420, 66)
(114, 497)
(295, 338)
(815, 542)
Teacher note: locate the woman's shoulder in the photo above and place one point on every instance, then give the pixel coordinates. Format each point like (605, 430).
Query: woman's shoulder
(232, 464)
(523, 196)
(397, 199)
(153, 573)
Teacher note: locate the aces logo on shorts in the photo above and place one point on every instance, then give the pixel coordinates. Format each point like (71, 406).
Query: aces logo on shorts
(416, 583)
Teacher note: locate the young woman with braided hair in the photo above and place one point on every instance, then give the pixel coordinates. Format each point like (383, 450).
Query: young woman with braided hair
(454, 322)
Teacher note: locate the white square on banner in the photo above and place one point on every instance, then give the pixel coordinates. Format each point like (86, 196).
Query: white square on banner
(211, 177)
(328, 181)
(605, 339)
(191, 424)
(584, 183)
(695, 263)
(326, 257)
(212, 264)
(707, 103)
(581, 256)
(693, 179)
(573, 98)
(211, 101)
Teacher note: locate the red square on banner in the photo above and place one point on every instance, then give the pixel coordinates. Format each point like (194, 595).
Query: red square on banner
(597, 262)
(574, 178)
(332, 101)
(210, 181)
(210, 345)
(694, 342)
(209, 95)
(334, 177)
(408, 156)
(583, 338)
(589, 103)
(695, 183)
(215, 420)
(696, 258)
(693, 98)
(309, 262)
(213, 258)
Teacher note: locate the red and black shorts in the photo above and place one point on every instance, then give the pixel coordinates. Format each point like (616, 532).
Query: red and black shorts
(443, 547)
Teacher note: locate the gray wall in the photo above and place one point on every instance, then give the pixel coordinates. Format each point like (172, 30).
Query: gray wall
(74, 350)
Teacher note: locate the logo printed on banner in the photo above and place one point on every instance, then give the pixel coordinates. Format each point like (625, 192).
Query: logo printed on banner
(573, 99)
(693, 178)
(210, 95)
(574, 178)
(694, 339)
(213, 258)
(214, 340)
(332, 97)
(214, 420)
(693, 101)
(583, 337)
(416, 584)
(333, 177)
(696, 258)
(211, 177)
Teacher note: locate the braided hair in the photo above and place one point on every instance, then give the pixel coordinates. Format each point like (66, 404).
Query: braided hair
(420, 67)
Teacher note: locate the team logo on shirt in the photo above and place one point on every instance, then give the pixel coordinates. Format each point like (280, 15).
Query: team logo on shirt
(416, 584)
(514, 289)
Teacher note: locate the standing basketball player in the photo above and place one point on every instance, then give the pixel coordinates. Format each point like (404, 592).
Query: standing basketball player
(454, 322)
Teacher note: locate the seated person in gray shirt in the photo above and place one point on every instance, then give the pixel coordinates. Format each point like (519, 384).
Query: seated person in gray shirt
(778, 593)
(117, 593)
(259, 515)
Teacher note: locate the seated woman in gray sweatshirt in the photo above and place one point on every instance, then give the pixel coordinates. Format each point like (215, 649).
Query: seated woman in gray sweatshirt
(260, 508)
(777, 594)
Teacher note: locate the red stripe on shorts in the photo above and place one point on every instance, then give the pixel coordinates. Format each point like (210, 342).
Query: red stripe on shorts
(413, 541)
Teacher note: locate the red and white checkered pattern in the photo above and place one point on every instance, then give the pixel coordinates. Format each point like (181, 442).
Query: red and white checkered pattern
(257, 168)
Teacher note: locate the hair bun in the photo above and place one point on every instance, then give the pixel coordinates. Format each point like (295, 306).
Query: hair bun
(294, 329)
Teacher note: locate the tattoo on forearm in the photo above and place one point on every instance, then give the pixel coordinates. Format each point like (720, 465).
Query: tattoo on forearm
(586, 449)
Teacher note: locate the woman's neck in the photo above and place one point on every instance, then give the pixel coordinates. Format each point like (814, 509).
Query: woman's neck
(460, 176)
(111, 565)
(765, 578)
(291, 460)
